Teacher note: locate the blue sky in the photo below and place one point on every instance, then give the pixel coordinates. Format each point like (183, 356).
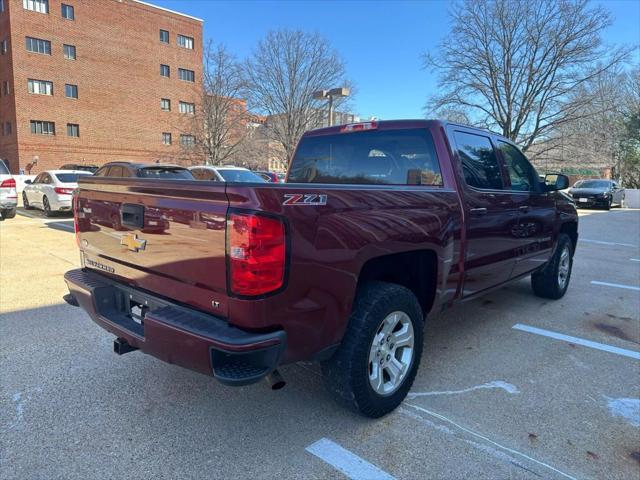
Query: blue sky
(380, 41)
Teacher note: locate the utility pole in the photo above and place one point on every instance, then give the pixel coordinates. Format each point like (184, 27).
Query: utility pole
(330, 95)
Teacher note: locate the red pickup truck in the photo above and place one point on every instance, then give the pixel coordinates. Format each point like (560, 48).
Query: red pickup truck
(377, 225)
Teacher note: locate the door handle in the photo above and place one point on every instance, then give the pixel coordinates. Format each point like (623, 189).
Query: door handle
(478, 211)
(524, 208)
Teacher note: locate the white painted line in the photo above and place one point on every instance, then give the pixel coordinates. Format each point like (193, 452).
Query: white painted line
(615, 285)
(600, 242)
(635, 259)
(578, 341)
(478, 435)
(348, 463)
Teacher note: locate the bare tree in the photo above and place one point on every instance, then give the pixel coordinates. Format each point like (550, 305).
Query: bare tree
(282, 74)
(513, 64)
(220, 124)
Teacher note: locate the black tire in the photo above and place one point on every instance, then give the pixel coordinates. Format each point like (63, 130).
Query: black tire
(46, 207)
(607, 204)
(346, 374)
(25, 202)
(546, 283)
(9, 213)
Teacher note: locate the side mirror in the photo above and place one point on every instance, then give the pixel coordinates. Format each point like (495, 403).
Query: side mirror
(555, 181)
(27, 181)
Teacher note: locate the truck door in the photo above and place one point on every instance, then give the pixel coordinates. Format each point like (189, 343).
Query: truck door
(490, 214)
(536, 210)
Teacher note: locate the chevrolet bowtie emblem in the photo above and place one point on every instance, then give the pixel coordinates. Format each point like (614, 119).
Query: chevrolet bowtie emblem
(132, 242)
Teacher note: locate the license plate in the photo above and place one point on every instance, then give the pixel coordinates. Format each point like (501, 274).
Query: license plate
(585, 200)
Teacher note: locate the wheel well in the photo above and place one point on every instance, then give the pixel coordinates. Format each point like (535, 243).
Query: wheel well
(416, 270)
(571, 229)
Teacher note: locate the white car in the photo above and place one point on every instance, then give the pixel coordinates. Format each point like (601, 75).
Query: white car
(225, 173)
(8, 195)
(52, 190)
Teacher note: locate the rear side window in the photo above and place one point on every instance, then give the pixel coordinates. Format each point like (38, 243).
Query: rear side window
(167, 173)
(479, 162)
(377, 157)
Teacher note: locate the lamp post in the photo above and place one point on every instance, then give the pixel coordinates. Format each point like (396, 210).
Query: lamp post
(330, 95)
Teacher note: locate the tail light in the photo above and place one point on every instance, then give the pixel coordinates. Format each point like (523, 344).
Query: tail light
(63, 191)
(76, 224)
(358, 127)
(256, 251)
(8, 183)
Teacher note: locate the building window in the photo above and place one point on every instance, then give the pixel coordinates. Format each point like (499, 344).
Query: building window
(68, 12)
(71, 91)
(187, 140)
(5, 87)
(8, 129)
(40, 127)
(165, 104)
(188, 108)
(4, 46)
(185, 42)
(40, 6)
(69, 52)
(186, 75)
(165, 71)
(1, 6)
(166, 138)
(37, 45)
(73, 130)
(40, 87)
(164, 36)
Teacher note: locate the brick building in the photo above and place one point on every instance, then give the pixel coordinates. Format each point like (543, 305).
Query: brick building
(92, 81)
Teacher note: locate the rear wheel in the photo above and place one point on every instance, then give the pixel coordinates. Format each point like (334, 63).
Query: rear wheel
(46, 207)
(9, 213)
(378, 359)
(553, 280)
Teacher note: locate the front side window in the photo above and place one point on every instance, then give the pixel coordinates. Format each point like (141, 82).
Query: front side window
(40, 6)
(186, 75)
(41, 127)
(479, 162)
(164, 36)
(68, 12)
(69, 52)
(37, 45)
(73, 130)
(374, 157)
(522, 175)
(165, 71)
(185, 42)
(71, 91)
(40, 87)
(187, 140)
(165, 104)
(187, 108)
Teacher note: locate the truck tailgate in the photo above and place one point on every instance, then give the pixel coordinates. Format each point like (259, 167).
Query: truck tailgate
(164, 236)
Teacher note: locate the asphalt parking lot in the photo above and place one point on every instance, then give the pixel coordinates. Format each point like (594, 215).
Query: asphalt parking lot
(558, 396)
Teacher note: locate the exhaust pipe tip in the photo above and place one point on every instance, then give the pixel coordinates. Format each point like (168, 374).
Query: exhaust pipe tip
(275, 380)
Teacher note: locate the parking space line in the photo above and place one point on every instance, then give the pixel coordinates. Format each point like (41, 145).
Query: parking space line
(635, 259)
(345, 461)
(615, 285)
(578, 341)
(600, 242)
(486, 439)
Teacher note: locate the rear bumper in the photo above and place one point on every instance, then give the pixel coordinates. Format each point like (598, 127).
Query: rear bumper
(176, 334)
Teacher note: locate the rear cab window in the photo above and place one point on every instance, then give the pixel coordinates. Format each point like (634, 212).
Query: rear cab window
(374, 157)
(480, 166)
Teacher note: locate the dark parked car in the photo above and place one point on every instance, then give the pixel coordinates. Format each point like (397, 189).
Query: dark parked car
(144, 170)
(378, 225)
(78, 166)
(597, 193)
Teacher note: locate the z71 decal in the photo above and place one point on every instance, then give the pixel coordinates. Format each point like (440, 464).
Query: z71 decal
(304, 199)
